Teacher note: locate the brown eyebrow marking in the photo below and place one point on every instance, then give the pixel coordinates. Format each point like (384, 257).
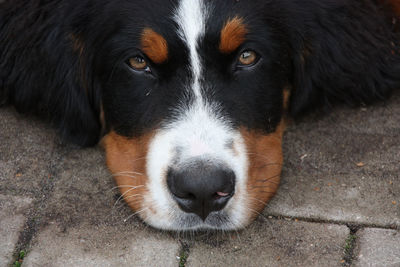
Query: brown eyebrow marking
(154, 46)
(233, 34)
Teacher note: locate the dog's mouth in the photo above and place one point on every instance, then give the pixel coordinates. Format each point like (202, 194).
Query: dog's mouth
(194, 182)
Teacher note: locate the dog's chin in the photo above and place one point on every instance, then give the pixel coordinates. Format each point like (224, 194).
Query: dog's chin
(217, 220)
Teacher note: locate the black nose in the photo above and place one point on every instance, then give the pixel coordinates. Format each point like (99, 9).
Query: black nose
(201, 188)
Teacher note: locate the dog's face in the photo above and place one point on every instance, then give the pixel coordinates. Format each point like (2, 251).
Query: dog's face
(191, 95)
(193, 98)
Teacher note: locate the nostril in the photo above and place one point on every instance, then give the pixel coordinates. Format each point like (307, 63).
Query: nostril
(222, 194)
(191, 196)
(188, 196)
(201, 188)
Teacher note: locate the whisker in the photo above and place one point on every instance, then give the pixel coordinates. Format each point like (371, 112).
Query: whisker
(235, 228)
(133, 214)
(131, 196)
(266, 185)
(268, 163)
(141, 158)
(263, 156)
(262, 202)
(120, 186)
(133, 188)
(258, 213)
(126, 202)
(269, 178)
(268, 192)
(236, 231)
(277, 196)
(124, 175)
(130, 176)
(126, 172)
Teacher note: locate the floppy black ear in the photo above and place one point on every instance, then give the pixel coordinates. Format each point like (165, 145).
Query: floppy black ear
(59, 91)
(79, 114)
(41, 71)
(343, 52)
(79, 120)
(73, 98)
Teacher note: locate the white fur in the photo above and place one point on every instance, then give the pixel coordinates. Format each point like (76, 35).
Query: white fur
(191, 18)
(200, 132)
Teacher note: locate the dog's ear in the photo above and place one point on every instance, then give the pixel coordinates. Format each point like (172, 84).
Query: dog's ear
(344, 53)
(43, 71)
(80, 117)
(60, 88)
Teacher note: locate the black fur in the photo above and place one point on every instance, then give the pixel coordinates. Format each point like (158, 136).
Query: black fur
(66, 60)
(346, 51)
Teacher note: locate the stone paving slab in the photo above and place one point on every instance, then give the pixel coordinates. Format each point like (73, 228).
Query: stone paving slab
(101, 246)
(12, 219)
(377, 247)
(344, 167)
(26, 153)
(83, 190)
(273, 243)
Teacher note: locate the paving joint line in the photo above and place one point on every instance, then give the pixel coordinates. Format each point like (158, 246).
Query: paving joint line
(34, 222)
(350, 244)
(184, 253)
(349, 224)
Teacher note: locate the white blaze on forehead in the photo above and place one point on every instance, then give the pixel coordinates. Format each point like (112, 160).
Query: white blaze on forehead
(191, 17)
(198, 131)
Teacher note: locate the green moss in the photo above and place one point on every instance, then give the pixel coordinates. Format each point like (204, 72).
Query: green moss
(350, 243)
(21, 256)
(348, 250)
(183, 258)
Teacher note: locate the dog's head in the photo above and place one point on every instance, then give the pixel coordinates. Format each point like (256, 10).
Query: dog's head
(194, 95)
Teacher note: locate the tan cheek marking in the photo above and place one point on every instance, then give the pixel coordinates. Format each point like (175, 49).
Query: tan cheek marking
(265, 159)
(233, 34)
(154, 46)
(126, 159)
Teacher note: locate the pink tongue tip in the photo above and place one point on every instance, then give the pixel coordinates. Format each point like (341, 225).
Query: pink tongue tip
(222, 194)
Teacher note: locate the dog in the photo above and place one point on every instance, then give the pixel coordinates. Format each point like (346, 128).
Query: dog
(190, 98)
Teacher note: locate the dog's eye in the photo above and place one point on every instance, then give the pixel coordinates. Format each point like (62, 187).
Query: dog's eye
(139, 63)
(248, 58)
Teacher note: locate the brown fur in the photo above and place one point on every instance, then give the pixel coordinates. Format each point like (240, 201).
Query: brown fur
(233, 34)
(154, 46)
(126, 159)
(265, 159)
(395, 5)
